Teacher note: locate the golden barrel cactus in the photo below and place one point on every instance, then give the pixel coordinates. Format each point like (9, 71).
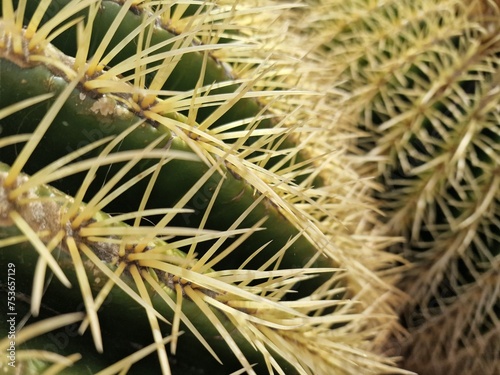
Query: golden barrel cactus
(168, 200)
(419, 83)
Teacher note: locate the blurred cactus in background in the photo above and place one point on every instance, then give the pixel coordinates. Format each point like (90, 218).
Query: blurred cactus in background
(419, 80)
(235, 240)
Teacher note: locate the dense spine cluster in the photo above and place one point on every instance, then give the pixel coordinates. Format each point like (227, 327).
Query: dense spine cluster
(193, 123)
(251, 186)
(419, 80)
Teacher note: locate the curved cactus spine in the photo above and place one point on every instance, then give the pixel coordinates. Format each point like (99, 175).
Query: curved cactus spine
(420, 81)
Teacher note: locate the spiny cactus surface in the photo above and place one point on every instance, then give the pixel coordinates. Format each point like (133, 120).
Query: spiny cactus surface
(244, 247)
(419, 80)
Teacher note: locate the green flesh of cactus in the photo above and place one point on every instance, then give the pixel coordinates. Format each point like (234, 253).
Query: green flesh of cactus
(421, 81)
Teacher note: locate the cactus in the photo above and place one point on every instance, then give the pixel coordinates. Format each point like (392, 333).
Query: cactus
(419, 81)
(192, 117)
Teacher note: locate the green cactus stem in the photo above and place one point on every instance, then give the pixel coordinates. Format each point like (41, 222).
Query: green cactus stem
(111, 254)
(101, 256)
(228, 237)
(84, 118)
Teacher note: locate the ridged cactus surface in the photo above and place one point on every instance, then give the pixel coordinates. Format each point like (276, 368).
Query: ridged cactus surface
(234, 235)
(420, 81)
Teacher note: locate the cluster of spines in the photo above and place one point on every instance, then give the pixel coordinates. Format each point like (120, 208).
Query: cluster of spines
(418, 80)
(301, 205)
